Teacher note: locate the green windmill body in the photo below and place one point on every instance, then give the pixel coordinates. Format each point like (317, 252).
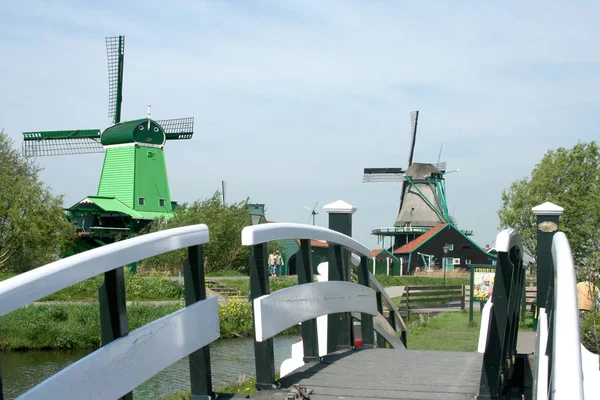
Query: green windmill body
(134, 187)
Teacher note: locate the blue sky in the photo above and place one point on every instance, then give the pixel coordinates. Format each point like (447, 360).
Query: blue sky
(292, 99)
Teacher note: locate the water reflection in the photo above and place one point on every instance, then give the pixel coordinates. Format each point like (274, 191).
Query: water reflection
(230, 359)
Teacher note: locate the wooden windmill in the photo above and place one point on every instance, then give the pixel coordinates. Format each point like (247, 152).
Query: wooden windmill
(423, 198)
(133, 188)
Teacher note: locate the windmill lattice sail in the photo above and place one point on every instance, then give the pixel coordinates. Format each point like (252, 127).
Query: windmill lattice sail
(115, 52)
(178, 128)
(56, 143)
(383, 175)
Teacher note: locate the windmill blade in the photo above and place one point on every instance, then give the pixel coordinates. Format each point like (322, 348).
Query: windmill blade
(178, 128)
(55, 143)
(414, 119)
(115, 52)
(313, 209)
(308, 208)
(375, 175)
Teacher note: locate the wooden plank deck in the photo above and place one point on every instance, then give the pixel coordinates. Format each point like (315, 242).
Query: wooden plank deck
(387, 374)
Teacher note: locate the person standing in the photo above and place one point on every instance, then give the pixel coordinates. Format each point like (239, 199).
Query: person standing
(272, 264)
(278, 263)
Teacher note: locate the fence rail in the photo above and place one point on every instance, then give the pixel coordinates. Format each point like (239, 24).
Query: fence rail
(126, 359)
(337, 298)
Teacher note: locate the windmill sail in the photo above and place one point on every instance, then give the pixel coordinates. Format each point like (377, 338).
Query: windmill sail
(414, 118)
(115, 51)
(383, 175)
(178, 128)
(55, 143)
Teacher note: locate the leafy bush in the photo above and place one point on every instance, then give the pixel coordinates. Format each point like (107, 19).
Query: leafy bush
(590, 332)
(225, 222)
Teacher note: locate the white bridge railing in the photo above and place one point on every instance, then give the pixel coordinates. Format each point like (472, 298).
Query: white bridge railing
(336, 299)
(564, 368)
(118, 367)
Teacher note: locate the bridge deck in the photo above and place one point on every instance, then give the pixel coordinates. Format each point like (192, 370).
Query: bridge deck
(387, 374)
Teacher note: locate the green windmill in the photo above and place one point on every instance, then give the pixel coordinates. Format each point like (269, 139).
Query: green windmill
(134, 188)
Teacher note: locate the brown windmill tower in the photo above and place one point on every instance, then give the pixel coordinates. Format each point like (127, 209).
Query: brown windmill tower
(422, 201)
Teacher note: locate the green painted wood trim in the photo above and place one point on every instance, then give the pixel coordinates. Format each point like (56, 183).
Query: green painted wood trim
(264, 354)
(381, 343)
(304, 268)
(113, 310)
(195, 290)
(366, 320)
(119, 98)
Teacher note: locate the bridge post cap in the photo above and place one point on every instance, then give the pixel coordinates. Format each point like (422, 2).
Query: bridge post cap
(547, 208)
(339, 207)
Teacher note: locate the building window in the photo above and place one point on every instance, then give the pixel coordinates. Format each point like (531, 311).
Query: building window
(161, 202)
(450, 246)
(412, 211)
(140, 201)
(493, 262)
(467, 262)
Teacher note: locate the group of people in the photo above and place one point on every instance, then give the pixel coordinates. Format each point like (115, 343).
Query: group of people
(275, 263)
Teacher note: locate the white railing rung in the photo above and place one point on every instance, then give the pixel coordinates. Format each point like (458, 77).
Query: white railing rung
(263, 233)
(117, 368)
(33, 285)
(275, 312)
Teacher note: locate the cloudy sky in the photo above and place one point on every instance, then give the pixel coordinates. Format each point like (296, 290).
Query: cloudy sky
(292, 99)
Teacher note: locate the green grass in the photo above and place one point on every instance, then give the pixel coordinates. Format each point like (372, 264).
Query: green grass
(137, 288)
(67, 326)
(77, 326)
(449, 331)
(387, 281)
(243, 286)
(244, 387)
(226, 272)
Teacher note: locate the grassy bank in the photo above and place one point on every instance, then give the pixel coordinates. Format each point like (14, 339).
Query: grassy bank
(77, 326)
(387, 281)
(449, 331)
(137, 287)
(243, 286)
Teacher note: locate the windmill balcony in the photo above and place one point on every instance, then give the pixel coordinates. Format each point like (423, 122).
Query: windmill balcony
(400, 229)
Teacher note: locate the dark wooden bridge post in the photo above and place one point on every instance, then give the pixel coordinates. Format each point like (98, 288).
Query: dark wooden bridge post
(547, 225)
(113, 310)
(264, 356)
(500, 351)
(340, 220)
(304, 268)
(366, 320)
(195, 290)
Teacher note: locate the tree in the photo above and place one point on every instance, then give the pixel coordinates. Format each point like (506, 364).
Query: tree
(569, 178)
(33, 227)
(225, 223)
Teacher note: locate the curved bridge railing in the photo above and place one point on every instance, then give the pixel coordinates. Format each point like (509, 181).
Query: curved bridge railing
(337, 298)
(500, 320)
(564, 368)
(122, 364)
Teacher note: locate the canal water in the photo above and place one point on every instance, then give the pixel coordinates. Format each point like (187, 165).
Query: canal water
(231, 359)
